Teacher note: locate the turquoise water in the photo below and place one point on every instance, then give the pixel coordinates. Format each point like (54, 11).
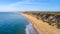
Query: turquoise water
(12, 23)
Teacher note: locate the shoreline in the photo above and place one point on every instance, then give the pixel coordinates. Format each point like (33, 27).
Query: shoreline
(29, 29)
(41, 27)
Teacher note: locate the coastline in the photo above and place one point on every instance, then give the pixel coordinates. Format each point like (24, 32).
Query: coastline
(41, 27)
(29, 29)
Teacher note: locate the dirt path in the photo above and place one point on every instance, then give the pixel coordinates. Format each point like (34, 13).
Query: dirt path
(41, 27)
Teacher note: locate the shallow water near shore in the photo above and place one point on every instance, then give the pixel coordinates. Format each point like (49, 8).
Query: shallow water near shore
(14, 23)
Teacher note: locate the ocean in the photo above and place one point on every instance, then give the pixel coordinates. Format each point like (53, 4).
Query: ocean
(14, 23)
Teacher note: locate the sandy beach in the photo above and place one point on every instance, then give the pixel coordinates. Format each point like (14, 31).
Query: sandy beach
(41, 27)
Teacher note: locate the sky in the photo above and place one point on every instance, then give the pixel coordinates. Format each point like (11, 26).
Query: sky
(29, 5)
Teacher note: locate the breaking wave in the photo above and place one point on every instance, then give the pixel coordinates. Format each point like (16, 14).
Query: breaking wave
(29, 29)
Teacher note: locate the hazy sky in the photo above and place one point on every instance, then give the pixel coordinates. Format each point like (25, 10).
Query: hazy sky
(23, 5)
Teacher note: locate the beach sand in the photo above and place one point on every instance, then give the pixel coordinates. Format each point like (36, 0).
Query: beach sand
(41, 27)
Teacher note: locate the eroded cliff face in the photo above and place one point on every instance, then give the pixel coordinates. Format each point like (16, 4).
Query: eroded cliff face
(52, 18)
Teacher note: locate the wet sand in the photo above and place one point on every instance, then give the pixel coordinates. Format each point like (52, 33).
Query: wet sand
(41, 27)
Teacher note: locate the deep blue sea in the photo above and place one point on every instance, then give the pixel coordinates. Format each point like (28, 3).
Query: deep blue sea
(14, 23)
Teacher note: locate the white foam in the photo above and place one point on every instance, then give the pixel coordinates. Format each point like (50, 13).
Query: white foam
(29, 29)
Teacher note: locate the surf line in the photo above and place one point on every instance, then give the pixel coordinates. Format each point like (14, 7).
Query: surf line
(29, 29)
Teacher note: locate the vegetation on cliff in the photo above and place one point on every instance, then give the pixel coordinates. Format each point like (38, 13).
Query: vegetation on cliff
(52, 18)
